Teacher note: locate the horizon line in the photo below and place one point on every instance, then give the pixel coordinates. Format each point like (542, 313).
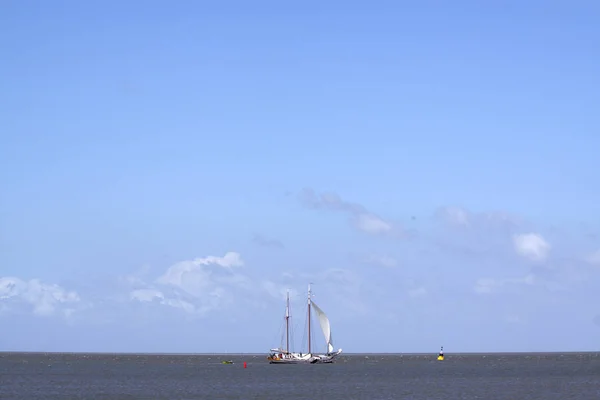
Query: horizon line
(263, 353)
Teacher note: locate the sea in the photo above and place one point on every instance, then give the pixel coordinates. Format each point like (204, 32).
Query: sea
(533, 376)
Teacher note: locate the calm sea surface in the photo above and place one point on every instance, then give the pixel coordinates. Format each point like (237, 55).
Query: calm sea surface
(373, 376)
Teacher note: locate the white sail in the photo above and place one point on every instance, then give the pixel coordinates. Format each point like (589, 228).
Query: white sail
(325, 326)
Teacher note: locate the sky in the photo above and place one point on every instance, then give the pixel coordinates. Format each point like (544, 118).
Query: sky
(169, 171)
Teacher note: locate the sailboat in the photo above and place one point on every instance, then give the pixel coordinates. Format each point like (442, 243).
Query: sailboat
(281, 356)
(285, 356)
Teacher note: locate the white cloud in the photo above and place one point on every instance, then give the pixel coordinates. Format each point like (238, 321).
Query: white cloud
(531, 246)
(205, 285)
(372, 224)
(200, 285)
(43, 298)
(151, 295)
(362, 219)
(196, 276)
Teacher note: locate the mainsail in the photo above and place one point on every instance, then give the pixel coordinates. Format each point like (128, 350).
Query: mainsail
(325, 326)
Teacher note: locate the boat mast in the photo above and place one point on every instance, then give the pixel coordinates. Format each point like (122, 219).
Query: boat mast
(287, 323)
(309, 350)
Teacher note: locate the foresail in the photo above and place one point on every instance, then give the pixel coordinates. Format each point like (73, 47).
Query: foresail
(325, 326)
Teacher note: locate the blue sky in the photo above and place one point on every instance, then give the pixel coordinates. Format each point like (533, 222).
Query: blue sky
(168, 171)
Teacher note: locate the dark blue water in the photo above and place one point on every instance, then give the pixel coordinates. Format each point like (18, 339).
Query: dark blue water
(119, 376)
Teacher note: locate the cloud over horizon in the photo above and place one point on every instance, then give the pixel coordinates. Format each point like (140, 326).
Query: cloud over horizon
(40, 298)
(380, 281)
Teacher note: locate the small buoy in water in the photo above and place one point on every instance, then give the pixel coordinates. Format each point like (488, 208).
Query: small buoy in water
(244, 364)
(441, 355)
